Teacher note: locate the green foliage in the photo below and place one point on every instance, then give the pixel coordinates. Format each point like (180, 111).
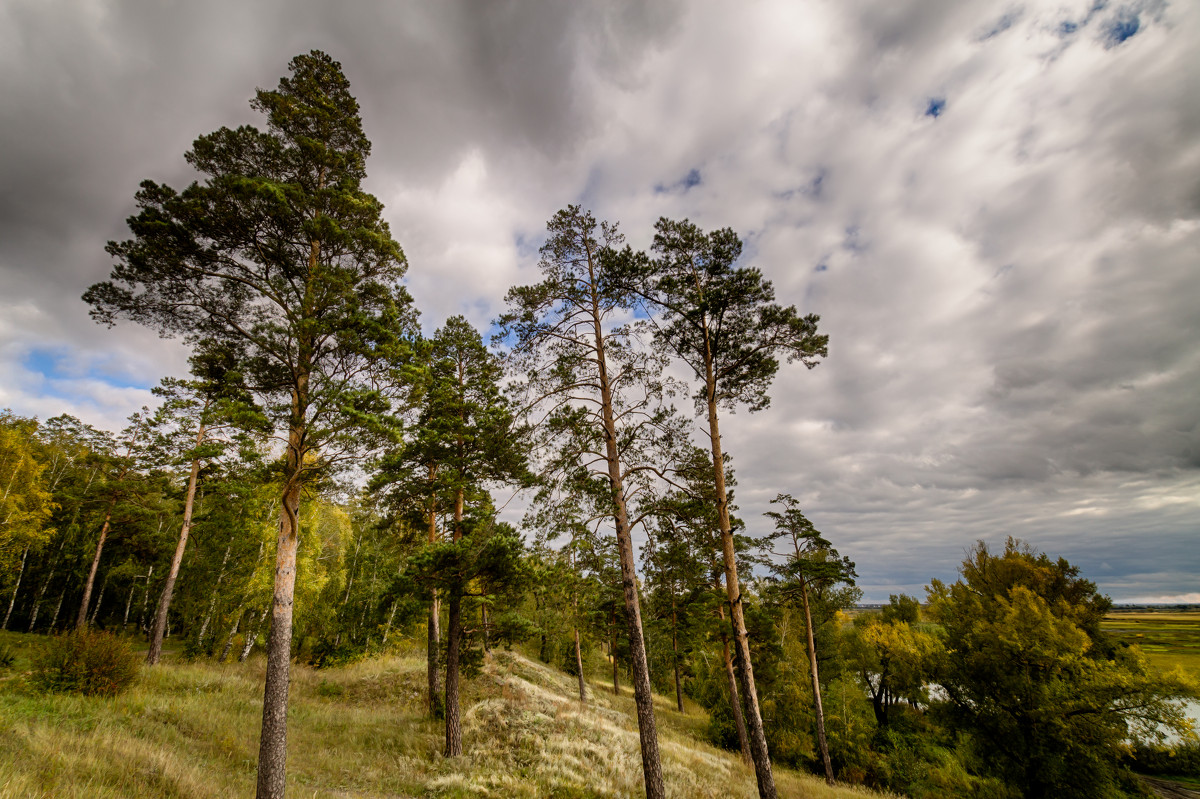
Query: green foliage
(7, 656)
(1180, 760)
(86, 662)
(1044, 700)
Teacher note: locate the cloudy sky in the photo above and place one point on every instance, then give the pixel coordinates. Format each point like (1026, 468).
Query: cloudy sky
(993, 206)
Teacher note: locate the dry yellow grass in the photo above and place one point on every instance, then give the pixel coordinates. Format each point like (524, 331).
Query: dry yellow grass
(191, 731)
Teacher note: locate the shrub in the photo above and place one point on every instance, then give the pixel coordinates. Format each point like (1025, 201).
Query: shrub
(7, 656)
(90, 663)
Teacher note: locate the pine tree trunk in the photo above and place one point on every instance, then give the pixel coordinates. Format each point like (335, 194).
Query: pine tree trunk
(272, 747)
(822, 742)
(640, 670)
(453, 644)
(453, 719)
(483, 618)
(432, 653)
(754, 723)
(675, 652)
(164, 600)
(735, 699)
(16, 588)
(81, 619)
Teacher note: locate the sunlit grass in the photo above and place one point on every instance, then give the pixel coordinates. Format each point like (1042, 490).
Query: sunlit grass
(191, 730)
(1168, 638)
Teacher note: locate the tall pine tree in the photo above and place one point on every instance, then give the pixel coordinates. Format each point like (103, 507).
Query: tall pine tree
(279, 249)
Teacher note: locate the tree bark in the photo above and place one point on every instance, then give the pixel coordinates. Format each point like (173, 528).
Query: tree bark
(100, 598)
(579, 669)
(816, 686)
(735, 699)
(37, 603)
(453, 643)
(642, 695)
(251, 637)
(675, 651)
(612, 650)
(16, 588)
(272, 747)
(212, 603)
(57, 608)
(81, 619)
(433, 649)
(145, 601)
(237, 623)
(754, 723)
(164, 600)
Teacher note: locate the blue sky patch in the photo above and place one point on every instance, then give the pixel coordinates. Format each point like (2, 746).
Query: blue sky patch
(692, 179)
(1122, 26)
(57, 364)
(1001, 25)
(936, 106)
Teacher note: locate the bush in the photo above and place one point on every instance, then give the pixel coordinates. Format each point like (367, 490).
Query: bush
(90, 663)
(7, 656)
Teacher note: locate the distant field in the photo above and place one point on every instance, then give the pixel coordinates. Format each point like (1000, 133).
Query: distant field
(1169, 638)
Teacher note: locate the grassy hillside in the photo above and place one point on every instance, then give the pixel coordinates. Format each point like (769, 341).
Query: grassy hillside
(191, 730)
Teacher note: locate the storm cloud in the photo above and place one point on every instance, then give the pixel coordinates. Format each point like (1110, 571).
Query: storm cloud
(994, 208)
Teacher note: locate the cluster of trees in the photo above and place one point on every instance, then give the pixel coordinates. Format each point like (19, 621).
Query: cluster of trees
(324, 480)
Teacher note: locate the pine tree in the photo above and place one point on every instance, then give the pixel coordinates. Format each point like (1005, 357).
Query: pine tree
(280, 251)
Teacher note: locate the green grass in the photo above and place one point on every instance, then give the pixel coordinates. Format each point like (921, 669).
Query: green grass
(1169, 638)
(191, 730)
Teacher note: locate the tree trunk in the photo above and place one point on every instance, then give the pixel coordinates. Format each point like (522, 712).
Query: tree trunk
(612, 650)
(735, 699)
(388, 628)
(675, 651)
(433, 652)
(16, 588)
(453, 644)
(483, 619)
(164, 600)
(57, 608)
(251, 637)
(453, 634)
(81, 619)
(37, 603)
(433, 649)
(816, 685)
(579, 669)
(237, 623)
(642, 695)
(754, 723)
(99, 598)
(212, 603)
(128, 603)
(145, 602)
(272, 747)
